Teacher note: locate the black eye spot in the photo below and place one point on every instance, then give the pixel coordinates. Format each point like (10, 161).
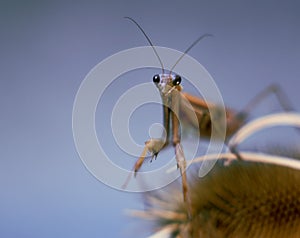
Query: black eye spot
(156, 78)
(177, 80)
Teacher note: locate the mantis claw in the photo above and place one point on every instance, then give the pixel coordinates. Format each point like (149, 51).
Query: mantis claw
(154, 156)
(153, 146)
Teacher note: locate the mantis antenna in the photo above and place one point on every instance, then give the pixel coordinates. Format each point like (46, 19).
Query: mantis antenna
(160, 61)
(188, 49)
(150, 42)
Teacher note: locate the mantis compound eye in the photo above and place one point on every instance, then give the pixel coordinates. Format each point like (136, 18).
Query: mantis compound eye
(177, 80)
(156, 78)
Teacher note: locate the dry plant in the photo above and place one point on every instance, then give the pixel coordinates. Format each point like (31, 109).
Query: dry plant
(258, 196)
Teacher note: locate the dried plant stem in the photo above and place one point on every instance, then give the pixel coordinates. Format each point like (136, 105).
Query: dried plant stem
(253, 157)
(247, 156)
(278, 119)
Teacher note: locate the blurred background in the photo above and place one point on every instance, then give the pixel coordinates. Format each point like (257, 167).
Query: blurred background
(46, 50)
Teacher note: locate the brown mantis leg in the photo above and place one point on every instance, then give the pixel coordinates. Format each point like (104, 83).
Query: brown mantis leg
(180, 158)
(154, 146)
(272, 89)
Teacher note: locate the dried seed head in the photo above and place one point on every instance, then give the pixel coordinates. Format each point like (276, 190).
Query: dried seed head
(248, 200)
(244, 199)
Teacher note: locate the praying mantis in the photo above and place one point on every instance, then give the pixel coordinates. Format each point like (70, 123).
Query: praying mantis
(169, 86)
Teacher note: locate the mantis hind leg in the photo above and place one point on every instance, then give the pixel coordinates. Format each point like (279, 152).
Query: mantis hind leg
(274, 89)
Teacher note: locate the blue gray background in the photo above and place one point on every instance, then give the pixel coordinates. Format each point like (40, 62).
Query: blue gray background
(47, 48)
